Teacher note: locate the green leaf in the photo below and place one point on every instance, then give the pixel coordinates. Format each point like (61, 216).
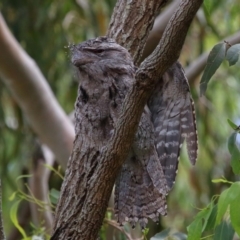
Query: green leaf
(215, 58)
(210, 223)
(224, 231)
(54, 170)
(162, 235)
(207, 214)
(234, 191)
(145, 231)
(223, 202)
(234, 150)
(235, 161)
(232, 125)
(12, 196)
(232, 142)
(235, 212)
(180, 236)
(233, 54)
(54, 195)
(221, 180)
(202, 215)
(195, 230)
(234, 199)
(207, 5)
(13, 217)
(24, 176)
(167, 235)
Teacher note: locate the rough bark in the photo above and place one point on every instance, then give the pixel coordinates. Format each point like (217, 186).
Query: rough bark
(131, 23)
(33, 94)
(159, 26)
(80, 214)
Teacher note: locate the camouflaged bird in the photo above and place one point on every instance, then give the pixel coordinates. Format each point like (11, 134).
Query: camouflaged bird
(106, 72)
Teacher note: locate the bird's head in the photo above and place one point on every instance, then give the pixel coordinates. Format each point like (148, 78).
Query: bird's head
(101, 52)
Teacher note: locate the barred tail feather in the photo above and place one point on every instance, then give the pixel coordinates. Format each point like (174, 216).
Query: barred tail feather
(136, 198)
(189, 129)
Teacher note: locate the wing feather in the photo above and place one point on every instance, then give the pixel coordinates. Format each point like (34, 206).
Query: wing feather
(173, 118)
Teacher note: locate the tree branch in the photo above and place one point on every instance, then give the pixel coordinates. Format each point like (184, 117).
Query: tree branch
(131, 23)
(38, 185)
(81, 216)
(159, 26)
(34, 96)
(172, 41)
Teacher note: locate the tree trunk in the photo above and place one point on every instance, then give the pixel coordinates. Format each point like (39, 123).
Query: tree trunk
(85, 194)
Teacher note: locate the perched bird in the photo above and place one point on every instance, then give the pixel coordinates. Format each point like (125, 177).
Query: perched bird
(106, 73)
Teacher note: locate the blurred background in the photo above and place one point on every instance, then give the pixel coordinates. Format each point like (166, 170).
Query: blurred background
(29, 171)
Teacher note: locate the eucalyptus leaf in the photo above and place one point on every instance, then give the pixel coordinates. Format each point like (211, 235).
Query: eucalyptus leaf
(210, 223)
(233, 54)
(161, 236)
(235, 152)
(232, 125)
(235, 213)
(221, 180)
(13, 216)
(195, 230)
(224, 231)
(54, 195)
(12, 197)
(215, 59)
(232, 142)
(223, 203)
(207, 5)
(235, 160)
(180, 236)
(234, 191)
(207, 214)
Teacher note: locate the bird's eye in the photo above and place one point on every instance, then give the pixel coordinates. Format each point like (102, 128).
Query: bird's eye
(94, 50)
(98, 50)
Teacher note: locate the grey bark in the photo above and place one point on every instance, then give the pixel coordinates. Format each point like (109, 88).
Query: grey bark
(131, 23)
(159, 26)
(80, 214)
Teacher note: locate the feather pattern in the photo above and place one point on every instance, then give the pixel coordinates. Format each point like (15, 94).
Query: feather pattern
(173, 117)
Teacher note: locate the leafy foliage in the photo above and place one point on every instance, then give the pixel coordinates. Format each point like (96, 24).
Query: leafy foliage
(215, 58)
(213, 217)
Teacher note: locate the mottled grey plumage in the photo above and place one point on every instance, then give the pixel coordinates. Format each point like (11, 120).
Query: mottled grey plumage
(106, 72)
(141, 186)
(173, 117)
